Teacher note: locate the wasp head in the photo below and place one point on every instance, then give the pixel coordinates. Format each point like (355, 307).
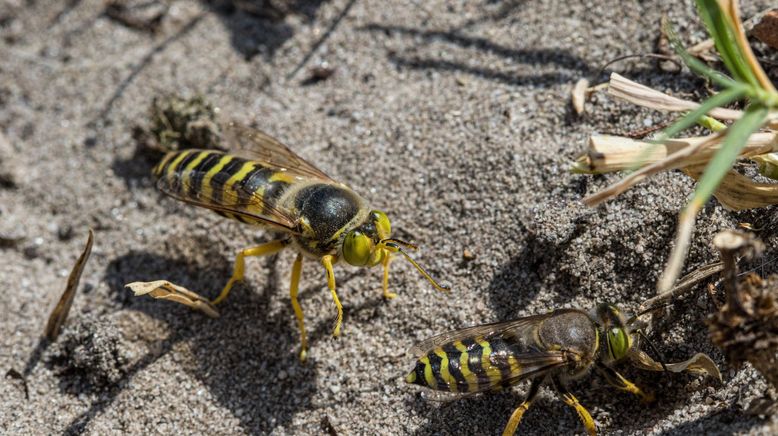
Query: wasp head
(618, 336)
(362, 246)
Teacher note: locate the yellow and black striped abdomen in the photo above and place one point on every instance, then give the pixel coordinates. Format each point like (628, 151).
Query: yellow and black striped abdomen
(469, 365)
(222, 181)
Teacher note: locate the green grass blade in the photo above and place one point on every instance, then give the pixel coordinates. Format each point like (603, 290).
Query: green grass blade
(720, 29)
(721, 99)
(737, 136)
(695, 64)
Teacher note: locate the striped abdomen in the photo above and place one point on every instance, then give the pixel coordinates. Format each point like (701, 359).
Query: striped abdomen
(469, 365)
(223, 181)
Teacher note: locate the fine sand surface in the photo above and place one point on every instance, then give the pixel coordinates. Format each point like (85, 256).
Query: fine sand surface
(451, 116)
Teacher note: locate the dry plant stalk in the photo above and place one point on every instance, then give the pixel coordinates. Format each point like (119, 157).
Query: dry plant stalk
(164, 290)
(746, 327)
(61, 310)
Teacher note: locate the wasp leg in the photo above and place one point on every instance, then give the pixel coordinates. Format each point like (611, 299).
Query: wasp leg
(385, 262)
(297, 268)
(237, 272)
(517, 414)
(619, 382)
(327, 262)
(571, 401)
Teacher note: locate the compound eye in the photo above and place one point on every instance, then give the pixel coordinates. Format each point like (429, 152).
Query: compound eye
(357, 248)
(382, 224)
(618, 342)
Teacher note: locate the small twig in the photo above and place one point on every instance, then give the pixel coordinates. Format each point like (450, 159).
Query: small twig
(322, 39)
(686, 283)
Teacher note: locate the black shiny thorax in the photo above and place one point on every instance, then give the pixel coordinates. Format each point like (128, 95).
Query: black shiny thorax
(326, 212)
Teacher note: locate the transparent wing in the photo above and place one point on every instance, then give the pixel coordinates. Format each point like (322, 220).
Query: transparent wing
(524, 327)
(232, 200)
(256, 145)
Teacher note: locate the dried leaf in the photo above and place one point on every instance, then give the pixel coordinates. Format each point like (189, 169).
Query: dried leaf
(60, 312)
(738, 192)
(164, 290)
(699, 364)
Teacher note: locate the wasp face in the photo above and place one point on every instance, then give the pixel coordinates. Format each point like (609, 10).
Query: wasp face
(362, 246)
(617, 333)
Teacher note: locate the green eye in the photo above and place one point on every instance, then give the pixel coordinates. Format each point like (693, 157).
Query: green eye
(382, 224)
(357, 248)
(618, 342)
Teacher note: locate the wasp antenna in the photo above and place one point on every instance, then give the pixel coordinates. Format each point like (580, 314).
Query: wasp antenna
(392, 245)
(395, 242)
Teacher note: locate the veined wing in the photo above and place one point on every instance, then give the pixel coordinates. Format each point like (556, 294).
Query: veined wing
(256, 145)
(520, 326)
(484, 358)
(238, 188)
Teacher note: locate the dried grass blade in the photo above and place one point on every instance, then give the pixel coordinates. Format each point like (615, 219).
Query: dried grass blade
(641, 95)
(61, 310)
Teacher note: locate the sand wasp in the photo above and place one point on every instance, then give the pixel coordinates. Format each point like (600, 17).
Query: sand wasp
(556, 348)
(262, 182)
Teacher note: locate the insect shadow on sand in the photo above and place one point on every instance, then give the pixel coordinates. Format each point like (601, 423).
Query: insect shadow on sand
(576, 67)
(258, 26)
(520, 280)
(238, 356)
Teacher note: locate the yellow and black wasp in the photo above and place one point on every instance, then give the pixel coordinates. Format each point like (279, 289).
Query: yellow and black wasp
(262, 182)
(555, 348)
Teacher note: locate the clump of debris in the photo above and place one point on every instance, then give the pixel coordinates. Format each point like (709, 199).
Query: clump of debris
(746, 327)
(90, 353)
(178, 123)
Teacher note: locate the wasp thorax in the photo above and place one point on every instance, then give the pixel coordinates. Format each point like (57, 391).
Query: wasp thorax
(359, 245)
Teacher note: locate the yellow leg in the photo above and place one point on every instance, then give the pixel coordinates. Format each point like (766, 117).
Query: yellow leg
(583, 414)
(619, 382)
(237, 273)
(517, 414)
(327, 262)
(298, 311)
(385, 262)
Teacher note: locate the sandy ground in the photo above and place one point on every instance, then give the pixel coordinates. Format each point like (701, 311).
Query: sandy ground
(451, 116)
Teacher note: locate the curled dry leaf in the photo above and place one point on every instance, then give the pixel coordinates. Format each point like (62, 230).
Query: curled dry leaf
(700, 364)
(60, 312)
(738, 192)
(164, 290)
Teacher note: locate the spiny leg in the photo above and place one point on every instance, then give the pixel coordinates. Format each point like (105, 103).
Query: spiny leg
(517, 414)
(571, 401)
(327, 262)
(385, 262)
(297, 268)
(619, 382)
(238, 270)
